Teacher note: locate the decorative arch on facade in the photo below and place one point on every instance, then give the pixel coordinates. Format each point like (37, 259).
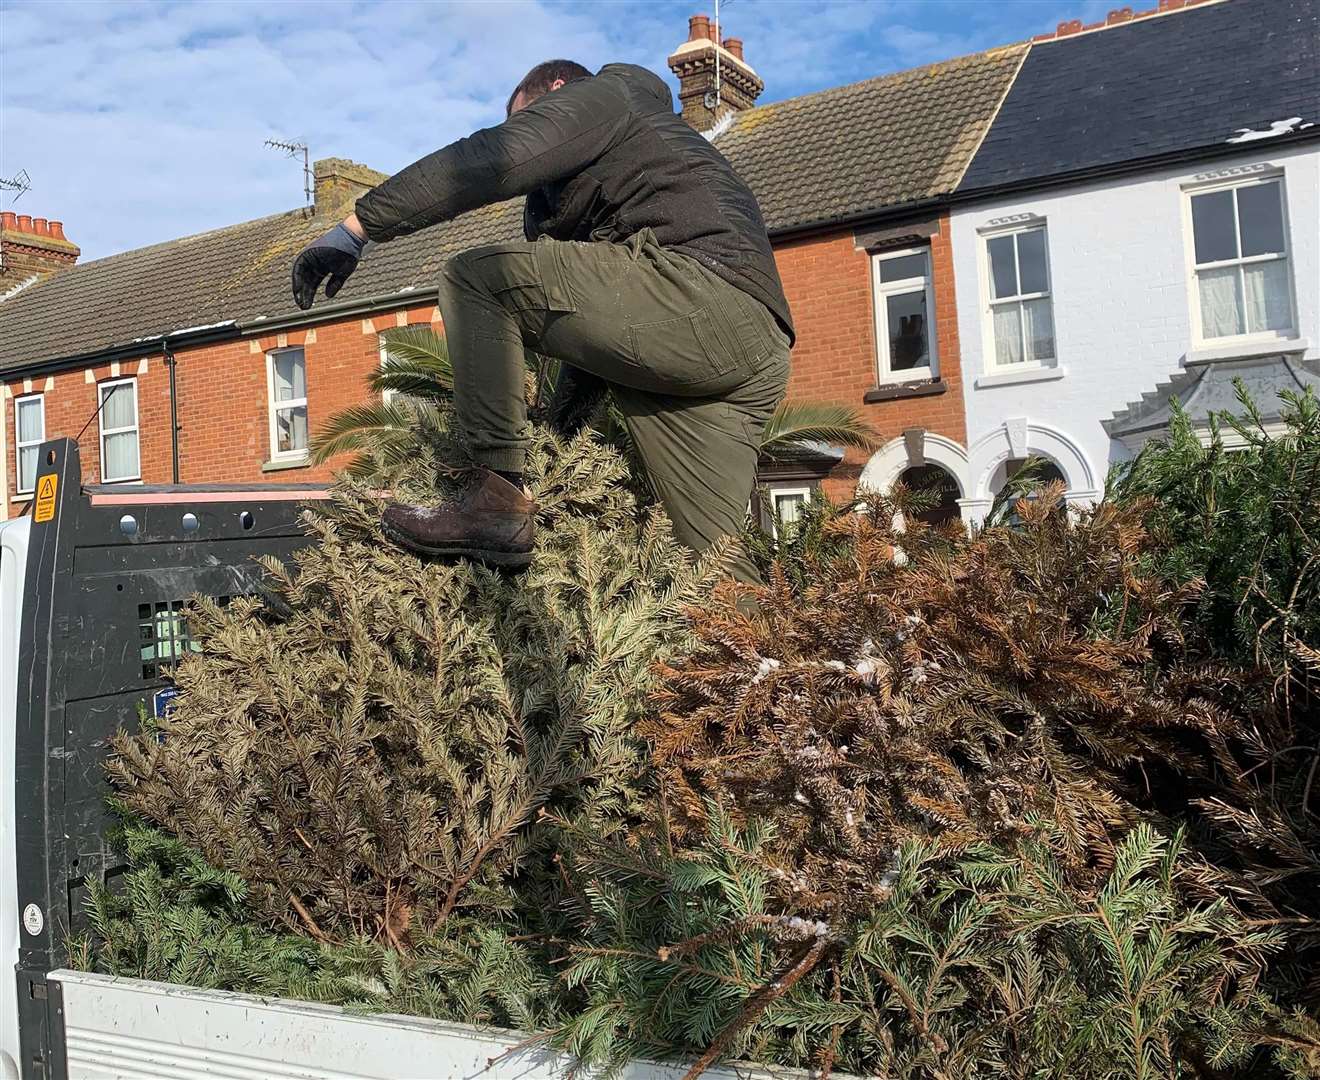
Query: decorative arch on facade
(1018, 437)
(910, 450)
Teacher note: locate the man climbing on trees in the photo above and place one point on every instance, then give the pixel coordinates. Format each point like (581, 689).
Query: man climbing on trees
(646, 270)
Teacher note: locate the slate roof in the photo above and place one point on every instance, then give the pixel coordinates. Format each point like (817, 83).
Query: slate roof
(1181, 83)
(835, 154)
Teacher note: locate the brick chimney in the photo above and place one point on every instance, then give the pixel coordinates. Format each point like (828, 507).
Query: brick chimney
(339, 183)
(694, 64)
(32, 246)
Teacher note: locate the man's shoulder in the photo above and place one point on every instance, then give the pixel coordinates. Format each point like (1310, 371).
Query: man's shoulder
(639, 82)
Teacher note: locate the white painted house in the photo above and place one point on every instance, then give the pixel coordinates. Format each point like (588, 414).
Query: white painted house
(1081, 309)
(1140, 223)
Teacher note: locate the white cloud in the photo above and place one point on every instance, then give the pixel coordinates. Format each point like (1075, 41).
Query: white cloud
(141, 122)
(152, 125)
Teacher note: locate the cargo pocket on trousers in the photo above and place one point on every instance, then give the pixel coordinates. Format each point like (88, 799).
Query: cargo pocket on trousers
(558, 296)
(685, 351)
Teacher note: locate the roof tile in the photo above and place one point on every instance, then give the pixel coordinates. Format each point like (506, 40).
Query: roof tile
(1182, 81)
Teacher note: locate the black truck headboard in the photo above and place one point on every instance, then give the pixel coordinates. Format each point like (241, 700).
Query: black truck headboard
(109, 570)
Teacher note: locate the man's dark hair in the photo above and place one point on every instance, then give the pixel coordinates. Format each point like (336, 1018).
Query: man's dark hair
(537, 81)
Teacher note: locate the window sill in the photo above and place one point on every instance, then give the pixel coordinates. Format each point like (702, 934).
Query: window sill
(897, 391)
(1245, 349)
(1017, 378)
(23, 498)
(280, 464)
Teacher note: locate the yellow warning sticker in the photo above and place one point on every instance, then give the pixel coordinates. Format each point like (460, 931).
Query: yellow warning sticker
(46, 487)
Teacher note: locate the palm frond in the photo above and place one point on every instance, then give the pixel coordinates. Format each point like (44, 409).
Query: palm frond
(796, 423)
(354, 428)
(416, 364)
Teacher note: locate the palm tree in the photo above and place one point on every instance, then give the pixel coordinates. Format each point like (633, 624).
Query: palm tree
(414, 383)
(416, 380)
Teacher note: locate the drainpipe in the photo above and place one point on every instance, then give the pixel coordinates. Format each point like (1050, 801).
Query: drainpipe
(171, 363)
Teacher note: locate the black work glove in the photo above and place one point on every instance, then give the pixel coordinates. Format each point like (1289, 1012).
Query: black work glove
(336, 254)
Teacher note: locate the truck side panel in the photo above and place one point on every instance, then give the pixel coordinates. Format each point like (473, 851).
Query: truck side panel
(108, 577)
(135, 1030)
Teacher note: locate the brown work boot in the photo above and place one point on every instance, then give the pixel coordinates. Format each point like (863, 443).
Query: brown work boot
(491, 521)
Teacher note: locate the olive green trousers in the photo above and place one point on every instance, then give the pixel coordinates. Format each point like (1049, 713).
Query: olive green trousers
(696, 366)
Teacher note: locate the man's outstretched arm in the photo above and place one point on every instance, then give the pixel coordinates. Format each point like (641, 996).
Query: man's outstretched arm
(557, 135)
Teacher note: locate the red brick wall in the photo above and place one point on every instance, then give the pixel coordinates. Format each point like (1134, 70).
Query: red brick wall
(222, 402)
(828, 283)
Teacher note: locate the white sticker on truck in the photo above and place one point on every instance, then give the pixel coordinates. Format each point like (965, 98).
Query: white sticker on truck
(33, 920)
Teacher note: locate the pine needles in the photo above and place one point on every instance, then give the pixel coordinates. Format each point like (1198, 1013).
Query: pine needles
(983, 686)
(366, 745)
(1024, 804)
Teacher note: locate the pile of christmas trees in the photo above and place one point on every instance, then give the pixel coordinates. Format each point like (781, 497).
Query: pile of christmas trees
(1029, 803)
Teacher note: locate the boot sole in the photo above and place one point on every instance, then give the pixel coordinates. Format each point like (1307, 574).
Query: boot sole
(514, 559)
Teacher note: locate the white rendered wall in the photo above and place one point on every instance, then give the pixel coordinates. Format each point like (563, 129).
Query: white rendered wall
(1120, 282)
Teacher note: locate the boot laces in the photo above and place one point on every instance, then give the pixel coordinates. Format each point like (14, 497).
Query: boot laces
(465, 477)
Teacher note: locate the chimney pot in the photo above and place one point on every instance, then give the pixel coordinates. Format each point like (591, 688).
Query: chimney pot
(43, 251)
(694, 65)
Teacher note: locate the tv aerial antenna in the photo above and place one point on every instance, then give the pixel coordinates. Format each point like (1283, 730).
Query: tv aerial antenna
(20, 183)
(712, 98)
(293, 149)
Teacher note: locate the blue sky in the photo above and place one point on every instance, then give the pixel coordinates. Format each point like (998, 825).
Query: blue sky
(141, 122)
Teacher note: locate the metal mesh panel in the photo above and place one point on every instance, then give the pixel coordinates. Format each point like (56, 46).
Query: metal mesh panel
(163, 637)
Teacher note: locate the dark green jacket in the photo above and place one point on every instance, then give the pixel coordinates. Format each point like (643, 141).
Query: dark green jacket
(599, 159)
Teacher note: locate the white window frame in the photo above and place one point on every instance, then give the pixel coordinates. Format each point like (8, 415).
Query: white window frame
(102, 388)
(273, 407)
(879, 291)
(776, 491)
(1189, 247)
(20, 446)
(388, 396)
(990, 302)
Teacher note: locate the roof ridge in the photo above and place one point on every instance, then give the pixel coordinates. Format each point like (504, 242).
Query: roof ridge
(1064, 30)
(1119, 17)
(816, 95)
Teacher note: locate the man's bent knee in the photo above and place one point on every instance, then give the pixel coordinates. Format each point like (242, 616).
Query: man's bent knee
(458, 269)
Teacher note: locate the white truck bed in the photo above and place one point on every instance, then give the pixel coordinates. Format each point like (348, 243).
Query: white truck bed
(134, 1030)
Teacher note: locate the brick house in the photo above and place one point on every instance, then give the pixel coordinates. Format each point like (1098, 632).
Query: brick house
(188, 362)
